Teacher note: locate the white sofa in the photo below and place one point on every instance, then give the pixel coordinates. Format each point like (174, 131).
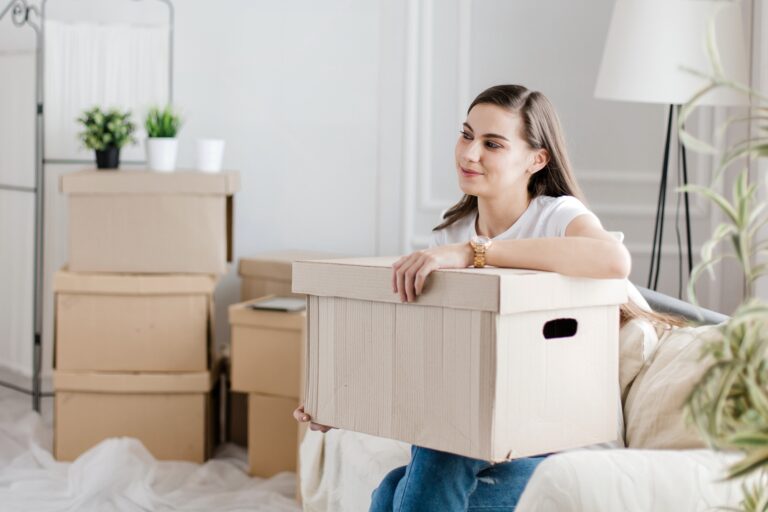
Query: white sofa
(666, 466)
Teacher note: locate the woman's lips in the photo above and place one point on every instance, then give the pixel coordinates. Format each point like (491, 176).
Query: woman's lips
(469, 174)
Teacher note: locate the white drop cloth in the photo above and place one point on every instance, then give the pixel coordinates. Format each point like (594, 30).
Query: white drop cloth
(121, 475)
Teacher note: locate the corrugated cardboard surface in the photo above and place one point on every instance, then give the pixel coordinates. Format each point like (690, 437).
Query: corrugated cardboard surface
(149, 182)
(150, 222)
(170, 415)
(473, 382)
(237, 418)
(276, 265)
(266, 350)
(272, 435)
(269, 273)
(120, 382)
(500, 290)
(145, 323)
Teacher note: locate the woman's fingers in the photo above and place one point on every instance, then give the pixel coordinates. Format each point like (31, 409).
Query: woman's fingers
(405, 274)
(395, 266)
(319, 427)
(300, 415)
(428, 265)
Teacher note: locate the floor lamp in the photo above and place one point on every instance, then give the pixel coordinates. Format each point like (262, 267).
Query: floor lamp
(648, 43)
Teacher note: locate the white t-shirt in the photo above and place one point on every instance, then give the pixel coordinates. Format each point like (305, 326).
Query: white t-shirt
(546, 216)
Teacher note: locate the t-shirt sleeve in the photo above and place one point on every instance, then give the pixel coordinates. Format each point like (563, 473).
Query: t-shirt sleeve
(566, 209)
(437, 238)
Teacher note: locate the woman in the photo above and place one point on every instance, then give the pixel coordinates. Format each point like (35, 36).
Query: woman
(521, 208)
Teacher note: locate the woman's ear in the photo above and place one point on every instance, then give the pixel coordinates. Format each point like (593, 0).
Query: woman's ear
(540, 160)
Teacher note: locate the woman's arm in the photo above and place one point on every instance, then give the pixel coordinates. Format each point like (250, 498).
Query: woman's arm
(586, 250)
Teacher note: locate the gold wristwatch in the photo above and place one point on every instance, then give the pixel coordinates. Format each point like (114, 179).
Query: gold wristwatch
(480, 244)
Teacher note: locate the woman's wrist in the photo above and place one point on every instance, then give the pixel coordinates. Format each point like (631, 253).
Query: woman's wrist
(468, 254)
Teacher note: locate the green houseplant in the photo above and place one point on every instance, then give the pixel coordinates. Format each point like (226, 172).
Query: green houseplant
(105, 133)
(729, 405)
(162, 126)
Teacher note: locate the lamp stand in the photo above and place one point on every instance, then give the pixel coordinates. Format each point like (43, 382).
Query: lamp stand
(658, 232)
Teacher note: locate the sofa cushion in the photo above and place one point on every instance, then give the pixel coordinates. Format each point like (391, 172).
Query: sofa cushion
(654, 410)
(637, 342)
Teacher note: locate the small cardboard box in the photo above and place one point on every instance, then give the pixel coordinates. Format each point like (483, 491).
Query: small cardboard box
(142, 323)
(493, 364)
(266, 350)
(150, 222)
(269, 273)
(171, 414)
(272, 434)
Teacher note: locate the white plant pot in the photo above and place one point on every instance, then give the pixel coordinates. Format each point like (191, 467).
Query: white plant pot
(161, 153)
(210, 153)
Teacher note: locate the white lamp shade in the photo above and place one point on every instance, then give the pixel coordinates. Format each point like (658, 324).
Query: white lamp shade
(649, 40)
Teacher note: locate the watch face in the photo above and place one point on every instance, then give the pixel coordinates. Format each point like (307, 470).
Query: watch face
(481, 240)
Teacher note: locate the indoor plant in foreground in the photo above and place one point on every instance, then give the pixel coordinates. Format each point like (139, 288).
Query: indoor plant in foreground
(730, 403)
(105, 133)
(162, 145)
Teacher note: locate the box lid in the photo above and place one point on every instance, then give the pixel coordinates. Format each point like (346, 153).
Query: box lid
(108, 382)
(133, 284)
(242, 314)
(149, 182)
(276, 265)
(500, 290)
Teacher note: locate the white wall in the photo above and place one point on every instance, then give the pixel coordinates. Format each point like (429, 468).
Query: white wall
(341, 116)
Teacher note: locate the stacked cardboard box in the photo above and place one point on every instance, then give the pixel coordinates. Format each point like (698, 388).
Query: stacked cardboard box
(489, 363)
(263, 274)
(134, 351)
(266, 363)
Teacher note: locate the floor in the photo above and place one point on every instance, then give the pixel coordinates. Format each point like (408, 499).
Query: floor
(120, 475)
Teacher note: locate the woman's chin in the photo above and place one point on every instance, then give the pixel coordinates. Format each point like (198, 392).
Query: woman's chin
(469, 189)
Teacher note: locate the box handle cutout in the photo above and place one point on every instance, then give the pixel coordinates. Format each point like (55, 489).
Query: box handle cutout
(560, 328)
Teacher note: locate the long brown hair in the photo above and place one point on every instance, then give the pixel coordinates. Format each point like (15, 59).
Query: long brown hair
(541, 129)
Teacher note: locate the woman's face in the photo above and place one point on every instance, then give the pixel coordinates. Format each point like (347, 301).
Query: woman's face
(491, 156)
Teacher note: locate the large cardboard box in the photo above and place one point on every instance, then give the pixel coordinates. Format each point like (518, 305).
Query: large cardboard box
(489, 363)
(142, 323)
(266, 349)
(269, 273)
(171, 414)
(150, 222)
(272, 434)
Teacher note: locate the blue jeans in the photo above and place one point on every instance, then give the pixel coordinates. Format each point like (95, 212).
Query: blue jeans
(444, 482)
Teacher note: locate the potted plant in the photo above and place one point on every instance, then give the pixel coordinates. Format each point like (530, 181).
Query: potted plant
(162, 145)
(106, 133)
(730, 403)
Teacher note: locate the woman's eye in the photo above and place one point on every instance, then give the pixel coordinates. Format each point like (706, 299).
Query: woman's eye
(465, 135)
(492, 145)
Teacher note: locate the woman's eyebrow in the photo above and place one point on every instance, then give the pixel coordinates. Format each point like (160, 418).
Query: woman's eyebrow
(488, 135)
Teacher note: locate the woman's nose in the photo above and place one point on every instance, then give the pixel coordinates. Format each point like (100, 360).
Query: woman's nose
(471, 151)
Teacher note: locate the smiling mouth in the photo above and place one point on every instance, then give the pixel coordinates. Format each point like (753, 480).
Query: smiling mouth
(468, 172)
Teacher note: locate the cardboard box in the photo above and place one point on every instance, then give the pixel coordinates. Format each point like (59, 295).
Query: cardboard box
(265, 350)
(272, 434)
(150, 222)
(169, 413)
(143, 323)
(269, 273)
(237, 418)
(489, 363)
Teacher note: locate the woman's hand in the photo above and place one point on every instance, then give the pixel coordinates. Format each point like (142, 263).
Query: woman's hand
(303, 417)
(410, 272)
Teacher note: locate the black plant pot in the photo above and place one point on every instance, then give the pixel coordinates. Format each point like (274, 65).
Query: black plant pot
(108, 158)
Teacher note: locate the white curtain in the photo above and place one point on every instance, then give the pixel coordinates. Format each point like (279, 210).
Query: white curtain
(105, 65)
(17, 168)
